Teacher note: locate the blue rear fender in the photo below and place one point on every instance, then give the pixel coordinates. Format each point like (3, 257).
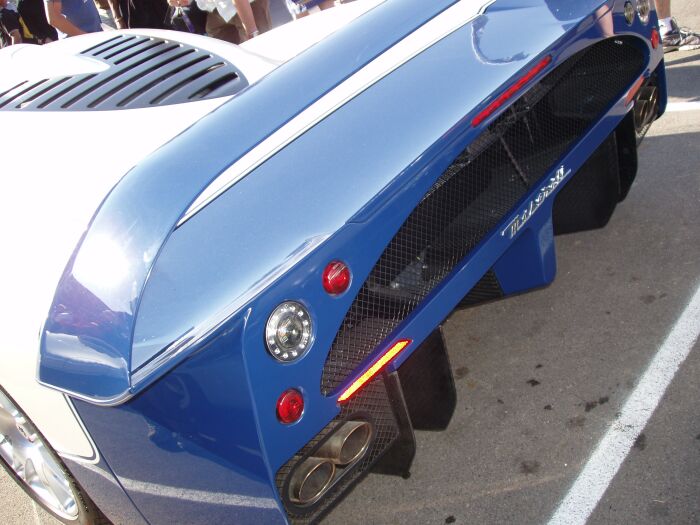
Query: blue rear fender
(144, 208)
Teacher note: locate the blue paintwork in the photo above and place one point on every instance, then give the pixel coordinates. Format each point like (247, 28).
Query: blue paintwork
(187, 449)
(242, 231)
(209, 425)
(142, 210)
(530, 261)
(105, 491)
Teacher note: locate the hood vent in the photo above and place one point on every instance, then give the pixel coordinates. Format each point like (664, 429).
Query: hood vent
(143, 72)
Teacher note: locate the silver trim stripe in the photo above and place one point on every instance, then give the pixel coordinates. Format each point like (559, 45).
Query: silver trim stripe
(185, 494)
(426, 36)
(197, 496)
(81, 459)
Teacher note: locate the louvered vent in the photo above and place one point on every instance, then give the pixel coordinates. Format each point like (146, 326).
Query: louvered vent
(143, 72)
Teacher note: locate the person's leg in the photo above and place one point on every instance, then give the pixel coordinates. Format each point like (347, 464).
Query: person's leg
(217, 27)
(261, 12)
(674, 37)
(663, 9)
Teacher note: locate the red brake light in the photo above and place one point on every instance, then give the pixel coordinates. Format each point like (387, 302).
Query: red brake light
(655, 38)
(336, 278)
(373, 370)
(290, 406)
(512, 90)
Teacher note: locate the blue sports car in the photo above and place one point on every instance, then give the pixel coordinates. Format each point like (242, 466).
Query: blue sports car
(227, 266)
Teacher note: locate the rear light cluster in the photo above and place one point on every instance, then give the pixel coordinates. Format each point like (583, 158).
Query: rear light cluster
(511, 91)
(290, 406)
(288, 331)
(336, 278)
(655, 38)
(288, 336)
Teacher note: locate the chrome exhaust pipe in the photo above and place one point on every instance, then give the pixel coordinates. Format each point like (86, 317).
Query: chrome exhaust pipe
(310, 480)
(348, 443)
(646, 107)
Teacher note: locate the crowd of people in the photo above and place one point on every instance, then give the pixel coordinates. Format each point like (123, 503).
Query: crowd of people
(43, 21)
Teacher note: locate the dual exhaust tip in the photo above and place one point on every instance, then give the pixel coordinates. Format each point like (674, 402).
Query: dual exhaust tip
(312, 478)
(646, 108)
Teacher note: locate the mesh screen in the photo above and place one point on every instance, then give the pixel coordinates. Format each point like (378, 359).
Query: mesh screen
(477, 190)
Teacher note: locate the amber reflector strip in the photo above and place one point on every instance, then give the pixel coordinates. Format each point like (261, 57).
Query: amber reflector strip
(373, 370)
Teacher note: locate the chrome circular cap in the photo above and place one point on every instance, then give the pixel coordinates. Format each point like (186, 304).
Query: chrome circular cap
(26, 453)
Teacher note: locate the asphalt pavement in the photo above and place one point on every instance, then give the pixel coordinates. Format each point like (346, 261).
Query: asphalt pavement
(544, 379)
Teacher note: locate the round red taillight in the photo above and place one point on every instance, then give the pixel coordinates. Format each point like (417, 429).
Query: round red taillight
(655, 38)
(290, 406)
(336, 278)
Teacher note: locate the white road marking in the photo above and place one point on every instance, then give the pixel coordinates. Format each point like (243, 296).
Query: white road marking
(682, 106)
(594, 479)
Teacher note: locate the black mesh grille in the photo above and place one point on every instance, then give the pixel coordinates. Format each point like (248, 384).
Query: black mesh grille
(371, 404)
(143, 72)
(474, 194)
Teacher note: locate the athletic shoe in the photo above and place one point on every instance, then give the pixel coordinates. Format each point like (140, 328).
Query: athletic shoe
(680, 38)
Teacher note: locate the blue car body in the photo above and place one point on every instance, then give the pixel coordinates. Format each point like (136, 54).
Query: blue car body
(168, 369)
